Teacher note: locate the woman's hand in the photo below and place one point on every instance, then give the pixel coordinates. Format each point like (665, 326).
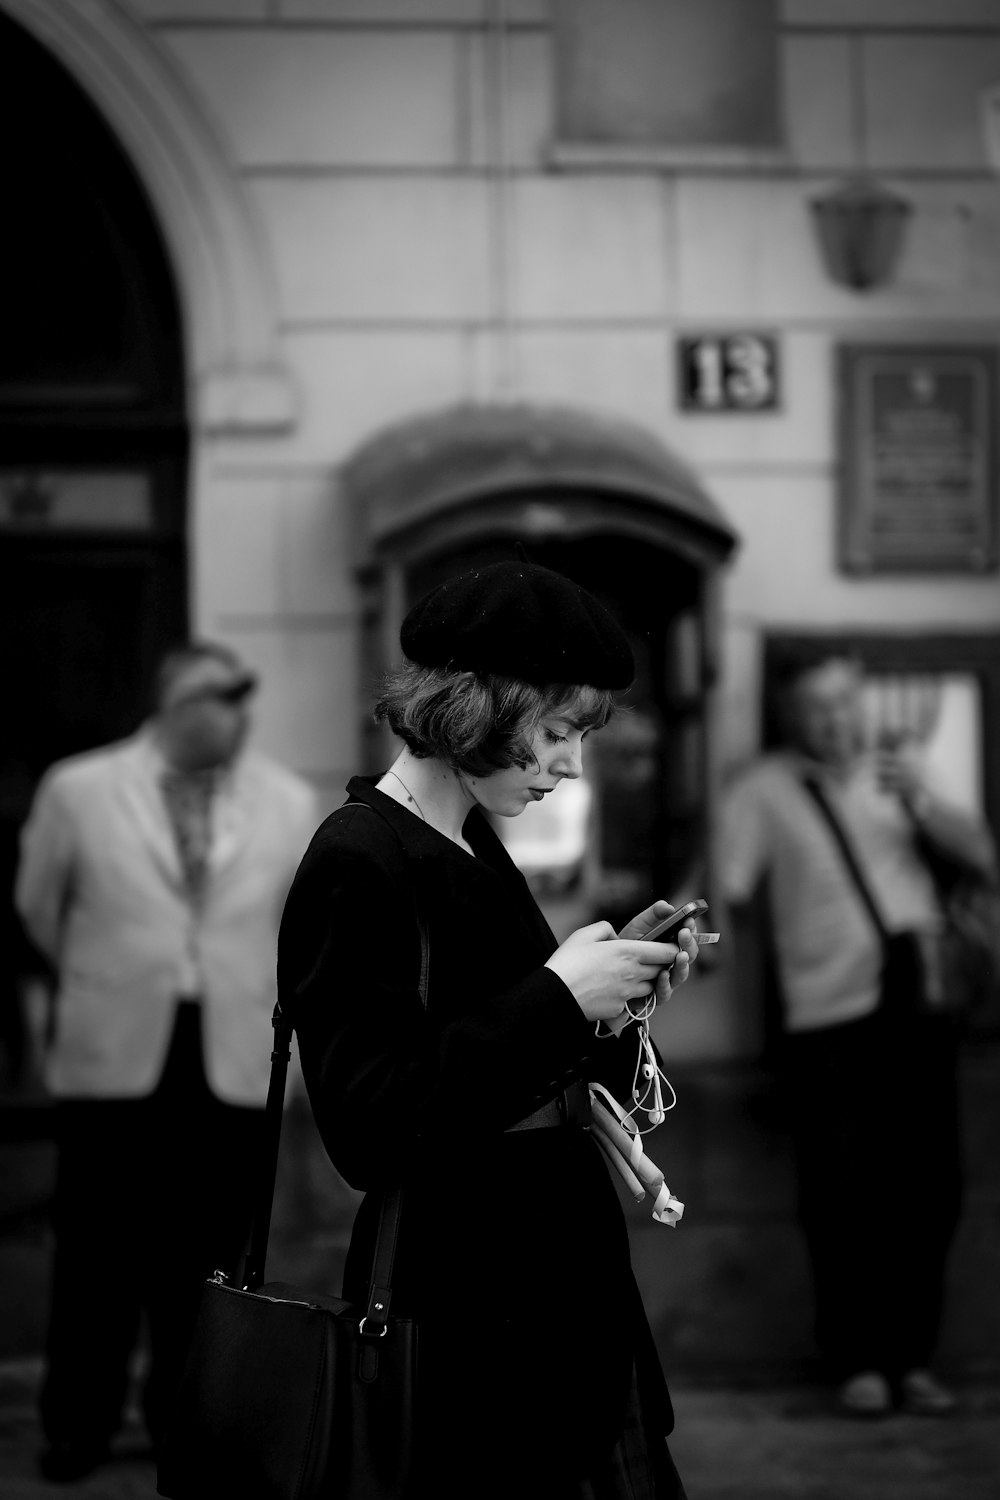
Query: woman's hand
(603, 972)
(683, 954)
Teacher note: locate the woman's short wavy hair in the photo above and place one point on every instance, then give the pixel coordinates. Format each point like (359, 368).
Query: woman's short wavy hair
(480, 724)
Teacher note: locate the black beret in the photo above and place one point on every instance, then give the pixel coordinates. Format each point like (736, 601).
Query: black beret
(518, 619)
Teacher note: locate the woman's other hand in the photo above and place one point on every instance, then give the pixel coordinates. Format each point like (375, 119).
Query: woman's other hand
(604, 972)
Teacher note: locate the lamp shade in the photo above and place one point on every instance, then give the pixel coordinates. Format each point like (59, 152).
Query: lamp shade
(860, 231)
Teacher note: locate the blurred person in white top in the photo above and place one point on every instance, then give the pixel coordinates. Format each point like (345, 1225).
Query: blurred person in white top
(868, 1052)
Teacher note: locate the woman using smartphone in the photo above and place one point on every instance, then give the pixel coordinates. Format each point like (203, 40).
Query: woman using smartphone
(539, 1375)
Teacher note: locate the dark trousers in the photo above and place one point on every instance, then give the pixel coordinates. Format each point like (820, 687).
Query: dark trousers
(874, 1114)
(151, 1196)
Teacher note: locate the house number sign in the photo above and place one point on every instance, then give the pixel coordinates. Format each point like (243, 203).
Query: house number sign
(728, 372)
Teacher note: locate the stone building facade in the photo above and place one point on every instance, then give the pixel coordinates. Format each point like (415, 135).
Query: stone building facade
(447, 272)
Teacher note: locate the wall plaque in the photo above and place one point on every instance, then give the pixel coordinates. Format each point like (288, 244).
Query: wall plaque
(918, 461)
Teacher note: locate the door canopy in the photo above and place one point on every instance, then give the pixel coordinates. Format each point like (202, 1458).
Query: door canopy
(526, 471)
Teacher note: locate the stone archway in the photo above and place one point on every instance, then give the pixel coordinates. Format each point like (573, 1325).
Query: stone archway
(237, 377)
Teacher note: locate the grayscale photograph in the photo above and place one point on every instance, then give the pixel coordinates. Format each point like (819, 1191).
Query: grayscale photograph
(500, 794)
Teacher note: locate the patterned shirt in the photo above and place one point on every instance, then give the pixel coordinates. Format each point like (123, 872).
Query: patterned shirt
(189, 797)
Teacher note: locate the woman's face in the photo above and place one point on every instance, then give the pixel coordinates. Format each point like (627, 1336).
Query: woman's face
(556, 751)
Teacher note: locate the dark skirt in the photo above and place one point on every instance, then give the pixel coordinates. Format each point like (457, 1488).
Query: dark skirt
(639, 1467)
(536, 1354)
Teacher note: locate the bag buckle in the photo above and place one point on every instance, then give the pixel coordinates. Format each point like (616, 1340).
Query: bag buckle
(378, 1314)
(382, 1331)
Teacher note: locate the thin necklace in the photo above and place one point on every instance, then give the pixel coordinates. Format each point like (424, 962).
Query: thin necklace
(409, 794)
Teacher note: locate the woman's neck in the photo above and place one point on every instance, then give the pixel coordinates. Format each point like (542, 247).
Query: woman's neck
(432, 791)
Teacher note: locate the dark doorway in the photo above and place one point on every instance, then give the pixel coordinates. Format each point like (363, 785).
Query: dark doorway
(93, 452)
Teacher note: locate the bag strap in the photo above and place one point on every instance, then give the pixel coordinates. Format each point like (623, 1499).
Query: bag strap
(388, 1232)
(850, 858)
(267, 1171)
(373, 1324)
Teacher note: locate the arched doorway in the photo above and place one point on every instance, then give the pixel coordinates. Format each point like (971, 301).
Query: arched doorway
(608, 505)
(93, 449)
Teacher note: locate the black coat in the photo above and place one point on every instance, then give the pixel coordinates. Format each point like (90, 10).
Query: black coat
(514, 1249)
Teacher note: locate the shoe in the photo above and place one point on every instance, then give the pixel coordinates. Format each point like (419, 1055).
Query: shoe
(64, 1463)
(866, 1394)
(923, 1395)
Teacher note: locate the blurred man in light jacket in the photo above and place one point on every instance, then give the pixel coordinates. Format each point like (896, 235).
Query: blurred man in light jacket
(153, 874)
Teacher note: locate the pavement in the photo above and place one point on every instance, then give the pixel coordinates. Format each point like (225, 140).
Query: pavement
(759, 1443)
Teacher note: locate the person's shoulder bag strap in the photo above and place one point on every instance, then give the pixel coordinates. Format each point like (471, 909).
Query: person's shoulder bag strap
(388, 1232)
(821, 800)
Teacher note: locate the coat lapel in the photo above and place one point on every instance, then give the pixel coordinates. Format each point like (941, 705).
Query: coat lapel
(436, 858)
(233, 815)
(143, 804)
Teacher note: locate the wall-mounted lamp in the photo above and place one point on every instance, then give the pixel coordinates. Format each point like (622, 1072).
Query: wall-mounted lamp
(860, 231)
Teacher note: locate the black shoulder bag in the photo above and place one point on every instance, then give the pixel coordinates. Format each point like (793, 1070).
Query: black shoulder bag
(290, 1394)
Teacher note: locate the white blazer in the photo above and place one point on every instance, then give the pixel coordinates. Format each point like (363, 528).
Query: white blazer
(101, 892)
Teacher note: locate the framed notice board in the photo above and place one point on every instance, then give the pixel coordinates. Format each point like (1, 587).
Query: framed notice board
(918, 458)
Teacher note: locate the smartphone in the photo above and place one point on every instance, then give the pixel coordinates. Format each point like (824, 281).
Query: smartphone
(665, 931)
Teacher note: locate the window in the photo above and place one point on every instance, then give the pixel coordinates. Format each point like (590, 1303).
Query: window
(667, 76)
